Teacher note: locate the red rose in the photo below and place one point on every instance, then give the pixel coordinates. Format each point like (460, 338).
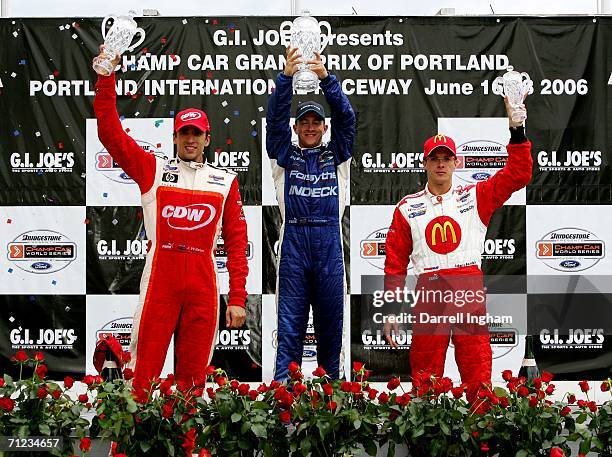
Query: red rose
(20, 356)
(274, 384)
(68, 382)
(83, 398)
(41, 371)
(56, 394)
(299, 388)
(42, 393)
(211, 393)
(39, 357)
(571, 398)
(332, 405)
(355, 387)
(7, 404)
(393, 383)
(328, 389)
(372, 394)
(537, 383)
(605, 386)
(293, 367)
(494, 400)
(88, 380)
(262, 388)
(188, 444)
(565, 411)
(221, 380)
(243, 389)
(582, 403)
(592, 406)
(584, 386)
(1, 382)
(296, 375)
(168, 409)
(85, 444)
(319, 372)
(234, 384)
(210, 370)
(126, 357)
(503, 402)
(556, 452)
(484, 447)
(547, 377)
(383, 397)
(357, 366)
(204, 453)
(128, 374)
(550, 389)
(285, 417)
(533, 401)
(507, 375)
(253, 394)
(345, 386)
(523, 391)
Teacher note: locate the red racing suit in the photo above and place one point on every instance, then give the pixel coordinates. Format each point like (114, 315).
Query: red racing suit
(186, 205)
(444, 236)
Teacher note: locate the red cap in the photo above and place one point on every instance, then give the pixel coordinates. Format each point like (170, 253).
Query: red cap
(194, 117)
(439, 141)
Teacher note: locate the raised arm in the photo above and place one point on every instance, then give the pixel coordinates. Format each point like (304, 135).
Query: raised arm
(137, 163)
(492, 193)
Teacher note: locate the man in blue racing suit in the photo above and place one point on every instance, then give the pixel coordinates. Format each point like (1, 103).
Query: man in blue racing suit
(311, 188)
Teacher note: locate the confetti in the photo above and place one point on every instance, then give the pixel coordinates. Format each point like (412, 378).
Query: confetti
(171, 114)
(105, 194)
(54, 282)
(74, 36)
(127, 130)
(51, 77)
(184, 21)
(86, 221)
(8, 221)
(60, 145)
(236, 113)
(209, 74)
(15, 34)
(142, 234)
(181, 77)
(56, 73)
(133, 67)
(224, 103)
(150, 98)
(206, 21)
(260, 109)
(61, 27)
(254, 133)
(37, 134)
(173, 57)
(161, 121)
(10, 270)
(253, 122)
(226, 120)
(158, 145)
(114, 221)
(16, 133)
(122, 118)
(23, 62)
(230, 26)
(137, 113)
(163, 40)
(11, 319)
(229, 141)
(76, 25)
(39, 172)
(13, 74)
(67, 26)
(215, 22)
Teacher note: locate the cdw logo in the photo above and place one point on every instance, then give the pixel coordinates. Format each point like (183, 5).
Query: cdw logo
(190, 116)
(190, 217)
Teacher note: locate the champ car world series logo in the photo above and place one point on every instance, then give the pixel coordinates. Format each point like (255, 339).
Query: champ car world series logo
(570, 249)
(479, 160)
(106, 165)
(372, 248)
(42, 251)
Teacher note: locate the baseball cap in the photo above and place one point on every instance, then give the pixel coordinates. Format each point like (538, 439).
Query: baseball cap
(439, 141)
(309, 107)
(191, 116)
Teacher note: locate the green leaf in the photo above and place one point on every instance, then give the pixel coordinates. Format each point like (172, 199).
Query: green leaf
(445, 428)
(145, 446)
(370, 447)
(132, 407)
(44, 429)
(357, 424)
(236, 417)
(259, 431)
(391, 450)
(522, 453)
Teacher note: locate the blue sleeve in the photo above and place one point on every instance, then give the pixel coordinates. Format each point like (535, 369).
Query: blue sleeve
(278, 130)
(342, 119)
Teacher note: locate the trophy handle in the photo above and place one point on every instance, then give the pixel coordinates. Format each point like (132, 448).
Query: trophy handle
(527, 83)
(104, 21)
(498, 86)
(139, 42)
(325, 36)
(285, 32)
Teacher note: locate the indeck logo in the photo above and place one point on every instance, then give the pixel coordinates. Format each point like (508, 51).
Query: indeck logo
(443, 235)
(191, 116)
(190, 217)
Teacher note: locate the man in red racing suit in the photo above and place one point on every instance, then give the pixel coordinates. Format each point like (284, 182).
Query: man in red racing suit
(442, 231)
(186, 204)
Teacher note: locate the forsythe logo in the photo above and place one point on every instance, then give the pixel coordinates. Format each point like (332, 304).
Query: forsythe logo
(200, 213)
(190, 116)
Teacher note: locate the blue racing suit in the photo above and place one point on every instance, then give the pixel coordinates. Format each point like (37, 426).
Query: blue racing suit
(311, 189)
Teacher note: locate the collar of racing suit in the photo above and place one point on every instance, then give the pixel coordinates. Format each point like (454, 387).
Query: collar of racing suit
(435, 199)
(191, 163)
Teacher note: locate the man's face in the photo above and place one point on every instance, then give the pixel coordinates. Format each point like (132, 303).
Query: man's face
(310, 130)
(190, 143)
(440, 165)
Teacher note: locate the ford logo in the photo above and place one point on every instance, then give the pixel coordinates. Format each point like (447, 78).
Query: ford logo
(569, 264)
(308, 353)
(220, 264)
(124, 175)
(481, 176)
(41, 266)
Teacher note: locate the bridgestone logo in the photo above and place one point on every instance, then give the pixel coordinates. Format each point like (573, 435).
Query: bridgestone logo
(41, 238)
(481, 149)
(570, 236)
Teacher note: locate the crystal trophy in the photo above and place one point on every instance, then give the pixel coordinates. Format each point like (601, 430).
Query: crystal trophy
(307, 38)
(116, 41)
(515, 86)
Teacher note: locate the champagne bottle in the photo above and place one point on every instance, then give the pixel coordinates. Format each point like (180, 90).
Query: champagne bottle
(110, 369)
(529, 367)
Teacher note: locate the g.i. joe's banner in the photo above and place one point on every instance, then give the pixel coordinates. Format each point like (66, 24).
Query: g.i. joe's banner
(72, 240)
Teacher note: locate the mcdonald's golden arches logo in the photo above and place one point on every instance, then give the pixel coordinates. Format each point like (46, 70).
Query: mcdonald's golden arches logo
(443, 234)
(439, 137)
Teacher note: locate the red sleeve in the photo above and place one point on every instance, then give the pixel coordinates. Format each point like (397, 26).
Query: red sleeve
(398, 248)
(234, 233)
(492, 193)
(137, 163)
